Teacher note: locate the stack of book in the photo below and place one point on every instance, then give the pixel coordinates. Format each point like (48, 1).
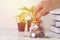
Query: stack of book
(55, 27)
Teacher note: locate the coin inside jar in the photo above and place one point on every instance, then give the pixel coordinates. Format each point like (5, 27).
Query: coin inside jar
(37, 31)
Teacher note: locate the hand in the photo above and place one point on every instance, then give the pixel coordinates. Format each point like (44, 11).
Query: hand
(45, 6)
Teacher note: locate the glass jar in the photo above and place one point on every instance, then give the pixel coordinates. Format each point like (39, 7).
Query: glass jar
(36, 29)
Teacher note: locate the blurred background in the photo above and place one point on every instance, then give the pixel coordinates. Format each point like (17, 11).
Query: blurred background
(10, 8)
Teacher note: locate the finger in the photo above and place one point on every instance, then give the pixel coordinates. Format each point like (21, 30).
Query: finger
(37, 9)
(43, 12)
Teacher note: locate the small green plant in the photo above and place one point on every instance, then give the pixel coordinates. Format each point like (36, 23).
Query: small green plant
(27, 12)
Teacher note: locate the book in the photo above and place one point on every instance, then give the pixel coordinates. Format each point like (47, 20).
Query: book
(56, 11)
(57, 23)
(56, 17)
(55, 29)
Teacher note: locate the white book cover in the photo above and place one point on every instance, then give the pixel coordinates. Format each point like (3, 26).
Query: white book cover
(56, 11)
(55, 29)
(57, 24)
(56, 17)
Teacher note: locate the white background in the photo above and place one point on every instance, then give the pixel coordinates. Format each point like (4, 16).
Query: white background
(9, 8)
(8, 25)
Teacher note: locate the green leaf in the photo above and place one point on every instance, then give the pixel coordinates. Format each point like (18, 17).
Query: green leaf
(32, 9)
(23, 15)
(27, 9)
(24, 8)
